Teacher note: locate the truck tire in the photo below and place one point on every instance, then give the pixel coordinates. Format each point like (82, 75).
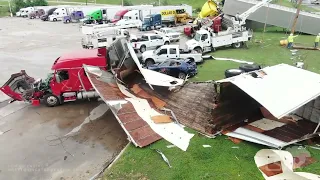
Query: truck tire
(198, 50)
(182, 75)
(237, 45)
(149, 62)
(54, 19)
(143, 48)
(67, 21)
(249, 67)
(232, 72)
(166, 43)
(51, 100)
(148, 28)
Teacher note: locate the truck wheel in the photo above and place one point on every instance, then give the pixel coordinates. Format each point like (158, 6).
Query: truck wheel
(182, 75)
(54, 19)
(249, 67)
(166, 43)
(198, 50)
(51, 100)
(67, 21)
(147, 28)
(237, 45)
(143, 48)
(149, 62)
(232, 72)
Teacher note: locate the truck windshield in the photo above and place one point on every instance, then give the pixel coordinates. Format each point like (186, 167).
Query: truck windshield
(146, 20)
(197, 37)
(117, 17)
(126, 17)
(171, 31)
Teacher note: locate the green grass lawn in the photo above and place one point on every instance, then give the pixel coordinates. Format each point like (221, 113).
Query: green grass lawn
(221, 161)
(4, 9)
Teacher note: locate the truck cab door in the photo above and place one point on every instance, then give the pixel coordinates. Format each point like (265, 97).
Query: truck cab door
(61, 82)
(154, 41)
(172, 53)
(205, 40)
(162, 55)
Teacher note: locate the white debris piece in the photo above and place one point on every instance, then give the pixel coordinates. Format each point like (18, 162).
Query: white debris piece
(206, 146)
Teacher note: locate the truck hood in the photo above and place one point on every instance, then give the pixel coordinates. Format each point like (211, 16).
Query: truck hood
(192, 42)
(147, 54)
(17, 84)
(120, 22)
(173, 34)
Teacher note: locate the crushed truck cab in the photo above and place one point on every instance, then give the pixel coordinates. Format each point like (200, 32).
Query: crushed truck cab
(67, 81)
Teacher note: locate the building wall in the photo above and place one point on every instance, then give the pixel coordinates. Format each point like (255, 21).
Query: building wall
(275, 15)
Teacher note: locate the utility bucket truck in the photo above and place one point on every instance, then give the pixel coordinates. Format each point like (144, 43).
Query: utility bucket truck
(206, 39)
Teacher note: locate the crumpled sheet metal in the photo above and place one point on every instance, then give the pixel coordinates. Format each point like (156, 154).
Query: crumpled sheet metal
(278, 165)
(134, 114)
(138, 131)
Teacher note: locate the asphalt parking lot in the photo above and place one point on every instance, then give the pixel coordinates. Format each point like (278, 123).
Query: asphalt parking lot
(36, 141)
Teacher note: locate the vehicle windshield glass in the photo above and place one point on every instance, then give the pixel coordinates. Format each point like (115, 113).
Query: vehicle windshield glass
(156, 51)
(171, 31)
(117, 17)
(126, 17)
(197, 37)
(146, 20)
(165, 63)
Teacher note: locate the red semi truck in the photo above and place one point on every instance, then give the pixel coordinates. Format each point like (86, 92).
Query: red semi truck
(67, 82)
(119, 15)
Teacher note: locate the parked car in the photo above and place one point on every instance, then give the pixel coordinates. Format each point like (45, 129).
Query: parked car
(170, 33)
(178, 68)
(169, 51)
(149, 41)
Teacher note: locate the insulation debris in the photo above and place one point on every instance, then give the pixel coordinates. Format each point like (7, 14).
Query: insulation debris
(277, 164)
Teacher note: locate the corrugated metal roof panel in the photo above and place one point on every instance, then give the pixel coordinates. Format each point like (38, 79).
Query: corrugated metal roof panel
(282, 90)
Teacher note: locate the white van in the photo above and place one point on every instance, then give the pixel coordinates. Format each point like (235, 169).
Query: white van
(26, 11)
(130, 19)
(59, 13)
(18, 14)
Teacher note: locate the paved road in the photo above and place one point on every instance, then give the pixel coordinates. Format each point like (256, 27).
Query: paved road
(33, 139)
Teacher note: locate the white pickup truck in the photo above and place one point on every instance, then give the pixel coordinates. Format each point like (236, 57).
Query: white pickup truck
(149, 41)
(168, 52)
(169, 33)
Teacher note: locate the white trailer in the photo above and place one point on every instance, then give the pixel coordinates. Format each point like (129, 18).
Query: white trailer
(135, 17)
(59, 13)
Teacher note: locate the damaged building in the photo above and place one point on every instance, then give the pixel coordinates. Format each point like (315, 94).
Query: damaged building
(275, 106)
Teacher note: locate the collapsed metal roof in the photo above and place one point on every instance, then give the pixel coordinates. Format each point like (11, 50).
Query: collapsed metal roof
(281, 89)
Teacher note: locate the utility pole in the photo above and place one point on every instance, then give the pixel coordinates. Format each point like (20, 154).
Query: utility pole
(296, 18)
(10, 8)
(159, 2)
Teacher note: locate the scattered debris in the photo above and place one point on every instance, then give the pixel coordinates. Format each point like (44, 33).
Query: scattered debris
(206, 146)
(5, 131)
(278, 164)
(301, 156)
(171, 146)
(158, 119)
(235, 140)
(236, 157)
(235, 147)
(234, 60)
(163, 157)
(318, 148)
